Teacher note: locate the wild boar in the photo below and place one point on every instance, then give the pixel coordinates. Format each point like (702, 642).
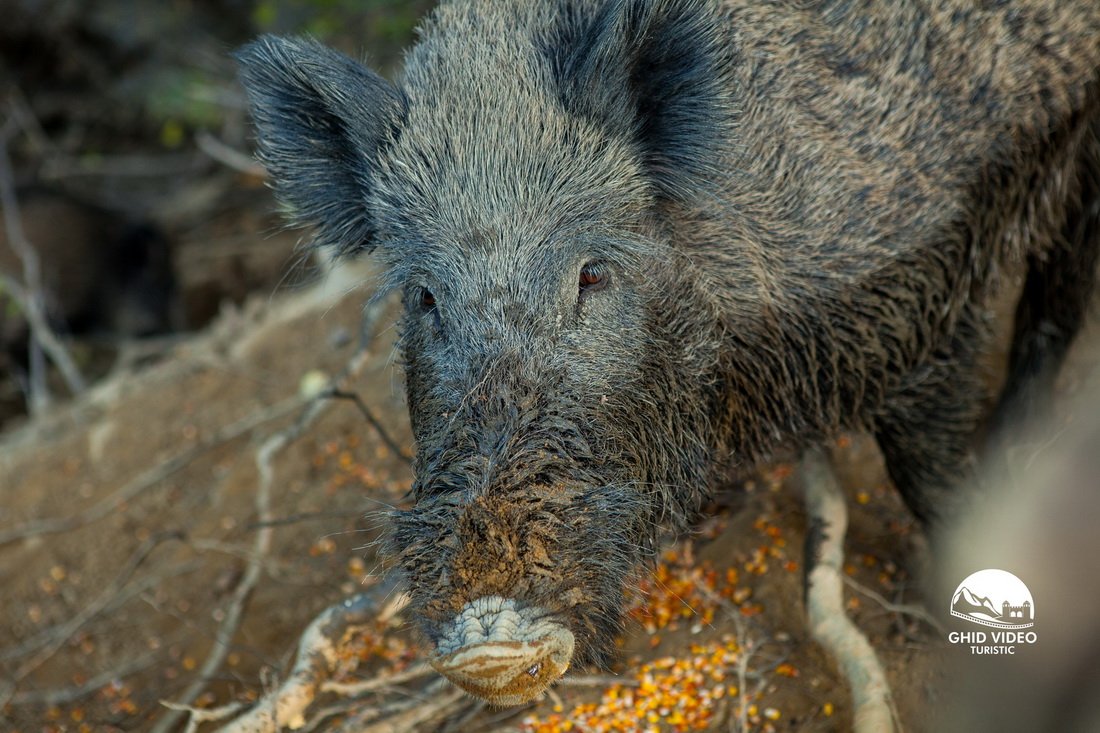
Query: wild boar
(642, 241)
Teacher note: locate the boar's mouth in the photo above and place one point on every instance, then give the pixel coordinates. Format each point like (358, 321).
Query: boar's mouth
(502, 651)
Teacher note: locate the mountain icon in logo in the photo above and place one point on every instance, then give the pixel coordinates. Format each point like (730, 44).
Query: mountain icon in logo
(994, 598)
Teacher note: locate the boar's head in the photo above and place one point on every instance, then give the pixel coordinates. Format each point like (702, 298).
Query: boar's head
(522, 184)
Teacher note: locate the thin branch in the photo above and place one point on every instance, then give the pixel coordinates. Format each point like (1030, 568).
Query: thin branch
(151, 477)
(137, 589)
(265, 457)
(228, 156)
(65, 631)
(746, 650)
(228, 628)
(905, 609)
(374, 422)
(28, 123)
(31, 295)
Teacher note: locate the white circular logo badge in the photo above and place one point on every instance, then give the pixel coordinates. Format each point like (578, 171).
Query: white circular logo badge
(995, 598)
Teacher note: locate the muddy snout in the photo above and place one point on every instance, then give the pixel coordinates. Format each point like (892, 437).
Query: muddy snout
(503, 651)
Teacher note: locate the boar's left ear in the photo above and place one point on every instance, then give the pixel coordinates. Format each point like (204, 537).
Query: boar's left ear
(322, 121)
(657, 71)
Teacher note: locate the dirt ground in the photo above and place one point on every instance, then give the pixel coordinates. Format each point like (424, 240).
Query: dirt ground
(154, 480)
(134, 517)
(167, 536)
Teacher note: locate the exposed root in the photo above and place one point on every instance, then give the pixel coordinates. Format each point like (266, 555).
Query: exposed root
(319, 651)
(321, 647)
(828, 623)
(425, 711)
(265, 457)
(198, 716)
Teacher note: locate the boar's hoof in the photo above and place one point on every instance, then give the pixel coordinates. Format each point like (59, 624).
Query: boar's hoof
(502, 651)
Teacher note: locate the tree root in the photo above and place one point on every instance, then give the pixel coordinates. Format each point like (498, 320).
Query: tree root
(827, 621)
(266, 454)
(320, 649)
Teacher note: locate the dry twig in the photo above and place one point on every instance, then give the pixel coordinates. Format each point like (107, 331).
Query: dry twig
(265, 457)
(746, 650)
(228, 156)
(151, 477)
(30, 295)
(375, 423)
(904, 609)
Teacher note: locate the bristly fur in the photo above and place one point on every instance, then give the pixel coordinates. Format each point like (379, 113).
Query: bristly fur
(797, 210)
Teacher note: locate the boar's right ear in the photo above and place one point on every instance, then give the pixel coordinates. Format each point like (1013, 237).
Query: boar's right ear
(657, 72)
(322, 122)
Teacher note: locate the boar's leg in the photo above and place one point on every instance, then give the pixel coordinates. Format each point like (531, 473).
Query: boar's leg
(1053, 305)
(926, 427)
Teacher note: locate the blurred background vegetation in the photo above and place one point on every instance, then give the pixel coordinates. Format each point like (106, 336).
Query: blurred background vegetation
(159, 71)
(129, 147)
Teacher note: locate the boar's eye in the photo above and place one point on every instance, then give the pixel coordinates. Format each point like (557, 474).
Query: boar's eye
(425, 299)
(593, 278)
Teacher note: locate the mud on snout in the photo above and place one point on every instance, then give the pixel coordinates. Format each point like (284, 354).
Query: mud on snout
(512, 589)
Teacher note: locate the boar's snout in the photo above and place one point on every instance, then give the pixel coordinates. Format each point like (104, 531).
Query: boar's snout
(503, 651)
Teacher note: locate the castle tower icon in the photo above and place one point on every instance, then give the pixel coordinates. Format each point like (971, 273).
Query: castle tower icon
(1017, 614)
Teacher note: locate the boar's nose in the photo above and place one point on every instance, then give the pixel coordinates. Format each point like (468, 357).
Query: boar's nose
(503, 651)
